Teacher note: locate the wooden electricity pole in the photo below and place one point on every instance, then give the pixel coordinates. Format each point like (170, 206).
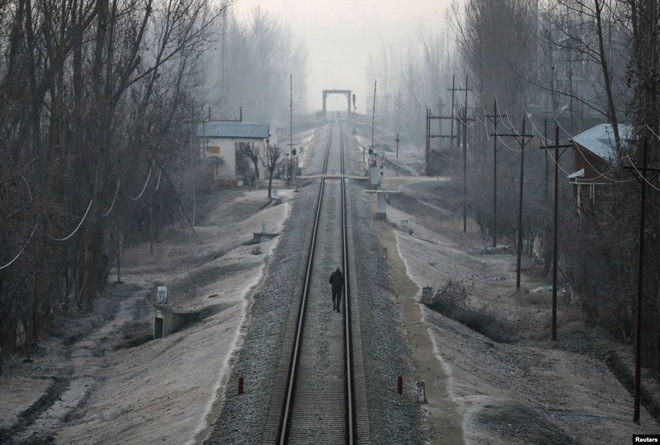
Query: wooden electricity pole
(494, 119)
(464, 122)
(429, 135)
(373, 117)
(453, 89)
(522, 139)
(555, 228)
(641, 175)
(290, 111)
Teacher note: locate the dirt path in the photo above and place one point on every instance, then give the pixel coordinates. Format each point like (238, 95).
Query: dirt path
(442, 417)
(522, 390)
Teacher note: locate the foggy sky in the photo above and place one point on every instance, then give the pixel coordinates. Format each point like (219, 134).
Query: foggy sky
(340, 35)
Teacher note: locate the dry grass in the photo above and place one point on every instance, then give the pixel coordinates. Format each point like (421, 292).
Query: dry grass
(526, 298)
(452, 301)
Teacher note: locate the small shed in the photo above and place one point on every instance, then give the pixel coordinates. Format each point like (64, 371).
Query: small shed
(219, 142)
(595, 151)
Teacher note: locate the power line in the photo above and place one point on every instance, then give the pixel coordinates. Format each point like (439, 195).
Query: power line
(21, 251)
(113, 200)
(555, 225)
(76, 229)
(522, 138)
(143, 188)
(494, 119)
(594, 168)
(640, 276)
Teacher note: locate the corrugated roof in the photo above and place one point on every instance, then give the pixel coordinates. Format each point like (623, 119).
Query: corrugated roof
(600, 139)
(233, 129)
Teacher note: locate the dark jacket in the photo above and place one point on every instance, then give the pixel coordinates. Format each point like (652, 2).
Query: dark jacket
(336, 280)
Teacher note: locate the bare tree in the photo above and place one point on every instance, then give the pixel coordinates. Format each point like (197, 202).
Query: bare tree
(593, 36)
(252, 152)
(269, 160)
(261, 52)
(95, 95)
(496, 39)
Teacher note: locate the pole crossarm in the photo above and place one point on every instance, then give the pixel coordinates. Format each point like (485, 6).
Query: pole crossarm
(548, 146)
(513, 135)
(494, 119)
(644, 170)
(522, 140)
(464, 122)
(453, 90)
(430, 117)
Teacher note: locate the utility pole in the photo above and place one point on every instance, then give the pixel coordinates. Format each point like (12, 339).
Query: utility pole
(494, 119)
(464, 122)
(373, 118)
(453, 89)
(465, 163)
(429, 136)
(640, 175)
(545, 138)
(398, 111)
(291, 123)
(522, 139)
(397, 145)
(555, 228)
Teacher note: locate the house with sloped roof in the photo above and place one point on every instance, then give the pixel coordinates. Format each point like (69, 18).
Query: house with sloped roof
(219, 143)
(595, 152)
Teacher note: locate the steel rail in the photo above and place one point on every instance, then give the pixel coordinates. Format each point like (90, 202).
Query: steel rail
(351, 420)
(285, 422)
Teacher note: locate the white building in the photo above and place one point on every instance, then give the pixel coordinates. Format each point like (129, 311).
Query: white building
(218, 144)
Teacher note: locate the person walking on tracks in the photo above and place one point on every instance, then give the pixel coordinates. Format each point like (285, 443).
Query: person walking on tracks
(337, 282)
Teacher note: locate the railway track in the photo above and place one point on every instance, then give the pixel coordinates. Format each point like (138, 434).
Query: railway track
(318, 401)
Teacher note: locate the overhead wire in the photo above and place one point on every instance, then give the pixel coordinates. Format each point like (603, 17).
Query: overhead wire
(594, 168)
(84, 217)
(634, 167)
(485, 123)
(545, 142)
(499, 137)
(76, 229)
(640, 174)
(509, 127)
(27, 184)
(113, 199)
(506, 145)
(143, 188)
(22, 250)
(652, 132)
(160, 172)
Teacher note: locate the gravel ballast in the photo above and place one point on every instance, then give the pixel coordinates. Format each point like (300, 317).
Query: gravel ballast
(393, 418)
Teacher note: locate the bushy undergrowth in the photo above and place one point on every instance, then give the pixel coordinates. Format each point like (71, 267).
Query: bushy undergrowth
(452, 301)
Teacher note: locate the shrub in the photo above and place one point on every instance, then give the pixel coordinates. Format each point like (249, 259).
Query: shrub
(452, 301)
